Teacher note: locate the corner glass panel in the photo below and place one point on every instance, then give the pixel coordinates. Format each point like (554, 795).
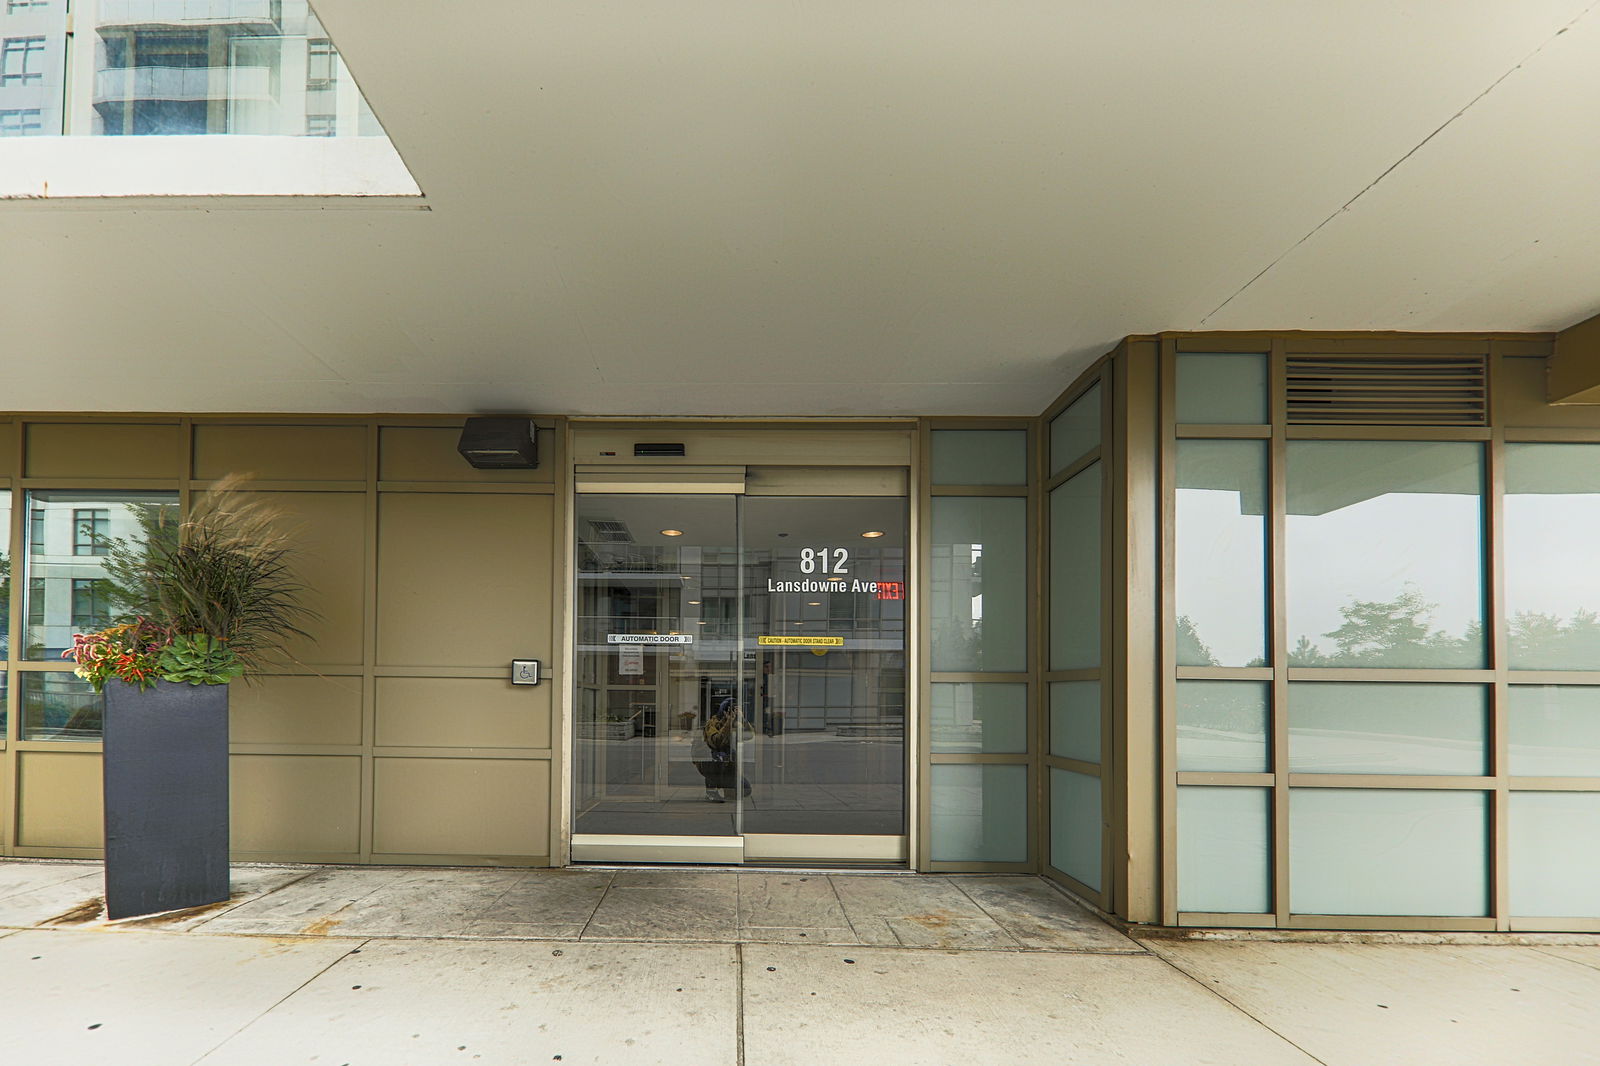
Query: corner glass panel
(1075, 572)
(1385, 554)
(1075, 431)
(1554, 730)
(5, 577)
(60, 706)
(1552, 875)
(1380, 728)
(980, 456)
(1421, 852)
(1075, 720)
(1552, 509)
(1222, 388)
(1224, 850)
(5, 704)
(980, 813)
(1075, 826)
(73, 542)
(979, 584)
(1221, 544)
(1223, 727)
(980, 718)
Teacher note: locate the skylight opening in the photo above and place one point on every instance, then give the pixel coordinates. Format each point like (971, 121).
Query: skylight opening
(182, 69)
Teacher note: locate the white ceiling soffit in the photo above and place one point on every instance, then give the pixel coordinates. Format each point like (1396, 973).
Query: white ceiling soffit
(845, 209)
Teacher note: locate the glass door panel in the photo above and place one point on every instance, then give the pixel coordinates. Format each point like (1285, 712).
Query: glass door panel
(740, 669)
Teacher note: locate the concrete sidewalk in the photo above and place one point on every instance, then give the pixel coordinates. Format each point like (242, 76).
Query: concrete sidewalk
(416, 966)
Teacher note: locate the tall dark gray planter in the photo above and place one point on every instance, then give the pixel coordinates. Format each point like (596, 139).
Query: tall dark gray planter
(166, 797)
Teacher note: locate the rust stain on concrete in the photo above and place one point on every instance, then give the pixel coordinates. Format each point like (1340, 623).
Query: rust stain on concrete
(321, 927)
(87, 911)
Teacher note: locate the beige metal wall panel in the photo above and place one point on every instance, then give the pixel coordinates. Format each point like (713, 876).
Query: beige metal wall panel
(59, 800)
(746, 446)
(1519, 389)
(477, 807)
(330, 541)
(103, 450)
(463, 579)
(409, 453)
(473, 712)
(296, 710)
(827, 481)
(8, 449)
(295, 803)
(281, 453)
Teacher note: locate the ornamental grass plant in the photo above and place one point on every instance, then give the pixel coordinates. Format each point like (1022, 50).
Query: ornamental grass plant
(203, 599)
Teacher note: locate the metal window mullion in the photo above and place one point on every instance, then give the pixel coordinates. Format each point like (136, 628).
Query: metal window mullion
(1495, 622)
(1166, 386)
(1278, 497)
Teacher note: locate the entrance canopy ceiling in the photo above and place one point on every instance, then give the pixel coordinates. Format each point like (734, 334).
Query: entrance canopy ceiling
(716, 208)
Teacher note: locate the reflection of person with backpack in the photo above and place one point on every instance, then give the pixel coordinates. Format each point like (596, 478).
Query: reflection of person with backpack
(718, 762)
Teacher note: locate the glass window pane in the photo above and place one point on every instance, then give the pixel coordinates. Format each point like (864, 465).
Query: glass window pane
(1223, 726)
(1075, 572)
(1552, 510)
(1076, 430)
(980, 813)
(979, 718)
(1554, 730)
(1075, 825)
(59, 706)
(1389, 851)
(980, 456)
(73, 537)
(1552, 876)
(980, 610)
(1221, 562)
(1075, 720)
(5, 704)
(1385, 554)
(1367, 728)
(1225, 850)
(1222, 388)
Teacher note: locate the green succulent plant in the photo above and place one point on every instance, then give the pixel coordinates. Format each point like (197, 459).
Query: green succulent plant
(198, 659)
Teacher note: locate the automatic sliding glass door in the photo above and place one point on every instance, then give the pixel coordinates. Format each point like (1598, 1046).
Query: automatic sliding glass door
(740, 683)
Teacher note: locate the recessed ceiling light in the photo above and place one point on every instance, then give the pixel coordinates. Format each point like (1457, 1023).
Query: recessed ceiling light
(672, 532)
(813, 603)
(799, 623)
(695, 602)
(873, 533)
(702, 623)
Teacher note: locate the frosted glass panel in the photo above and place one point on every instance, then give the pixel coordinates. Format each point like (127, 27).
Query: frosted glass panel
(1222, 388)
(1367, 728)
(980, 813)
(1552, 875)
(1385, 554)
(1389, 851)
(980, 615)
(1554, 731)
(979, 718)
(980, 457)
(1223, 726)
(1075, 720)
(1075, 430)
(1552, 510)
(1224, 850)
(1221, 566)
(1075, 572)
(1075, 825)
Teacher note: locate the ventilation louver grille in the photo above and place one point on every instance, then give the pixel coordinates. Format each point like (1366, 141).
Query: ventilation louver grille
(1377, 391)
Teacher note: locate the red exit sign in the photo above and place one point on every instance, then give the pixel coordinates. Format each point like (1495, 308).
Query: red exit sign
(891, 590)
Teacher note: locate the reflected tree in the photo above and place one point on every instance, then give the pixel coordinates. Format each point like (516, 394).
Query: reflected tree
(1546, 642)
(1394, 633)
(1192, 651)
